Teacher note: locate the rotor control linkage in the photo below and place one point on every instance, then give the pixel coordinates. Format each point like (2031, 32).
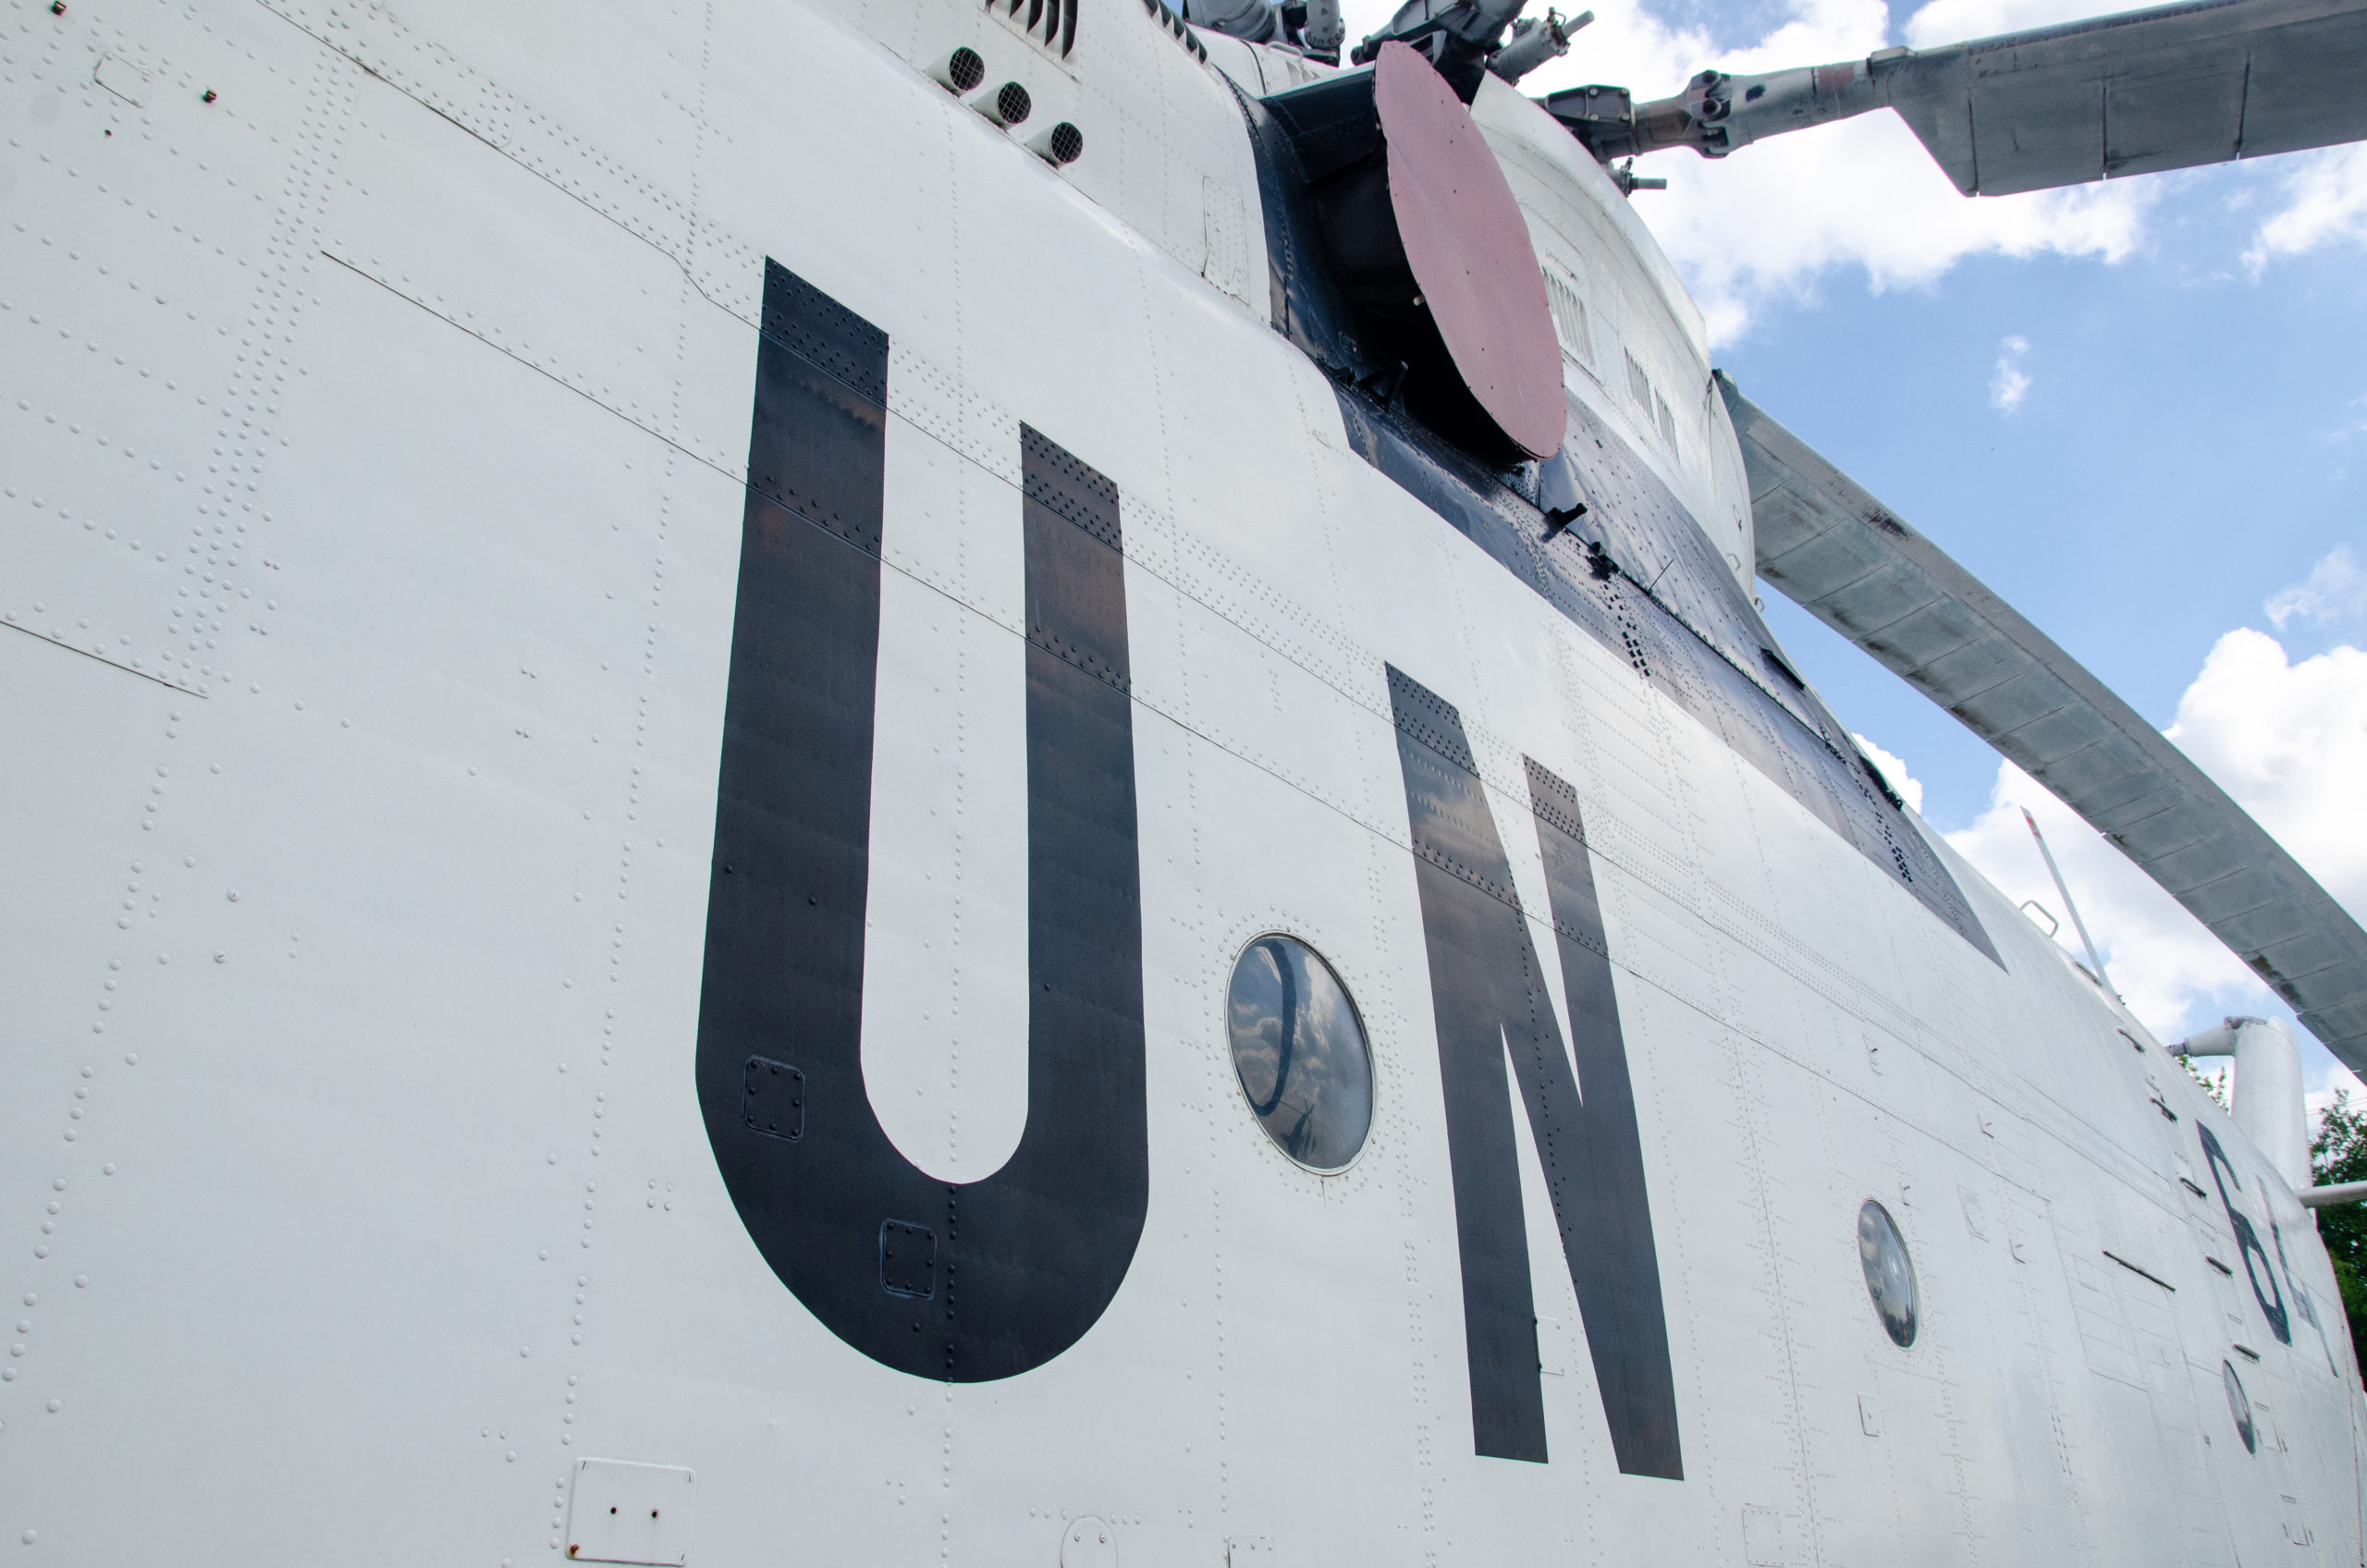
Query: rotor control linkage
(1718, 112)
(1463, 38)
(1624, 177)
(1534, 41)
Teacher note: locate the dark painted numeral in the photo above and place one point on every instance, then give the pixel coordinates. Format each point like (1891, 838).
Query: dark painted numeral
(962, 1282)
(1491, 1006)
(2272, 1301)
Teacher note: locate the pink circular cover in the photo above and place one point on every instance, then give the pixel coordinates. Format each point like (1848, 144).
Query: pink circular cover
(1470, 248)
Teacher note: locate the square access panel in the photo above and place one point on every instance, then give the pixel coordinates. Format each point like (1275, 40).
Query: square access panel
(772, 1099)
(620, 1512)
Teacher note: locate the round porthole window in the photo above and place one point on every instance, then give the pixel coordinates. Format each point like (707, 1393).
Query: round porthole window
(2239, 1405)
(1300, 1051)
(1890, 1278)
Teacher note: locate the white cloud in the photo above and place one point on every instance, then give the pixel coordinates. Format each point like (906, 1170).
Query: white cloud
(1910, 788)
(1955, 21)
(2334, 590)
(2288, 742)
(2173, 971)
(1772, 225)
(2326, 203)
(2010, 383)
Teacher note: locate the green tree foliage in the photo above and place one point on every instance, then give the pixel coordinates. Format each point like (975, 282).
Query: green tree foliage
(2339, 1153)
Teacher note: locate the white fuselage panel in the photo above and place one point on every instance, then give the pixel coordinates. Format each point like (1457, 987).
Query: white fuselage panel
(375, 441)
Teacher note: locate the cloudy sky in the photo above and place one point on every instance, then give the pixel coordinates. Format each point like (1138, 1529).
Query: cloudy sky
(2138, 410)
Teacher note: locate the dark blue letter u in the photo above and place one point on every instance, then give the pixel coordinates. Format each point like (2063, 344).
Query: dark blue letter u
(961, 1282)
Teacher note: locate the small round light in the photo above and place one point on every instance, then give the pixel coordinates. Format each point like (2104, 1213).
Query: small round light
(1299, 1049)
(1890, 1277)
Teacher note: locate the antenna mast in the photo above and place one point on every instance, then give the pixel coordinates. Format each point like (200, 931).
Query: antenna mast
(2076, 924)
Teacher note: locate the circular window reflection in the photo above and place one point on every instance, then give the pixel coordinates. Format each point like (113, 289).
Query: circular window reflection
(1890, 1278)
(2239, 1405)
(1300, 1050)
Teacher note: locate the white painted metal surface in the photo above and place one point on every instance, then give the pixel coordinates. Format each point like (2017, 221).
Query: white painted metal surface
(374, 439)
(622, 1511)
(1088, 1542)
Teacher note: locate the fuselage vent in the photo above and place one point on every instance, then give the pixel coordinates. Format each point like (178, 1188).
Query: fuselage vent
(1051, 24)
(1164, 14)
(1569, 317)
(1658, 415)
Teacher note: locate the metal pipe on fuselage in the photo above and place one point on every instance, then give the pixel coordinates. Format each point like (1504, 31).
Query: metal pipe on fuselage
(2267, 1103)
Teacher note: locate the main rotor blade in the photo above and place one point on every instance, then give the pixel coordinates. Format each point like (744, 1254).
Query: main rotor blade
(2178, 85)
(1852, 564)
(2164, 89)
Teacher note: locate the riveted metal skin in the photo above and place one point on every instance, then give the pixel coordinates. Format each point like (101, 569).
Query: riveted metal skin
(907, 1259)
(1681, 625)
(1596, 1145)
(772, 1099)
(1638, 571)
(2304, 1306)
(1491, 1004)
(817, 453)
(377, 508)
(1022, 1263)
(2247, 1237)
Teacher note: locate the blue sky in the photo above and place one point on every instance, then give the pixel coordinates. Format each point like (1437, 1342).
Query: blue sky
(2190, 441)
(2138, 410)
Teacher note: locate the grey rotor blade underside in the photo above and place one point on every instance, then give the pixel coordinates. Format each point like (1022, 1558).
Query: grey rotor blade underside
(2112, 96)
(1852, 564)
(2136, 93)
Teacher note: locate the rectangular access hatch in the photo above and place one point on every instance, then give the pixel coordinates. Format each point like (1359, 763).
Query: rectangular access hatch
(620, 1512)
(908, 1259)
